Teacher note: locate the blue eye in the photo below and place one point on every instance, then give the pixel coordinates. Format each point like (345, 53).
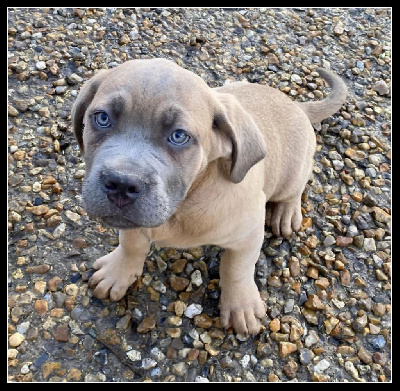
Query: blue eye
(102, 119)
(179, 137)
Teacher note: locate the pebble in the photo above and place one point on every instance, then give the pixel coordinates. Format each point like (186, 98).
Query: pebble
(15, 340)
(147, 324)
(192, 310)
(321, 366)
(286, 348)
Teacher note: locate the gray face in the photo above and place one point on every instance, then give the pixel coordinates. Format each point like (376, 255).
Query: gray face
(141, 159)
(128, 186)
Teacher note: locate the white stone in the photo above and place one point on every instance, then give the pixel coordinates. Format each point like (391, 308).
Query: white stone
(193, 310)
(196, 278)
(134, 355)
(322, 366)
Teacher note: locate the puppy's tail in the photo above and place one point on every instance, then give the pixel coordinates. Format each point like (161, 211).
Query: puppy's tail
(319, 110)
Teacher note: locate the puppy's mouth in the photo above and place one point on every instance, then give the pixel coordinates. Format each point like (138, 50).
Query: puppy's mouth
(120, 222)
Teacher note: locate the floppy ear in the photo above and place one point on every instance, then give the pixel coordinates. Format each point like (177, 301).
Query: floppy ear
(247, 145)
(86, 95)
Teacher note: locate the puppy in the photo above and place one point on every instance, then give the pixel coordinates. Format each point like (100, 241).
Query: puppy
(173, 161)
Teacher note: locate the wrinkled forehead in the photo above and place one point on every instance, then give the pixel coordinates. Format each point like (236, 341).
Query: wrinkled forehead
(150, 90)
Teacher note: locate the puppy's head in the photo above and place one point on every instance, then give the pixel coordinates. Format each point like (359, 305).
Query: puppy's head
(147, 129)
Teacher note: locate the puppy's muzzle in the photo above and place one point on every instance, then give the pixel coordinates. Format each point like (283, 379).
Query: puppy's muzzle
(121, 189)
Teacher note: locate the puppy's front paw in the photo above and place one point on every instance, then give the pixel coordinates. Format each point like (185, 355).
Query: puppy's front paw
(116, 272)
(242, 309)
(283, 217)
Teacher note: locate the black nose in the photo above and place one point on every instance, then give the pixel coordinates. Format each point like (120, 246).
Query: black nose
(121, 189)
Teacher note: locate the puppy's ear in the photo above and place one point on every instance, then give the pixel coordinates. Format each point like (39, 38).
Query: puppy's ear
(246, 144)
(86, 95)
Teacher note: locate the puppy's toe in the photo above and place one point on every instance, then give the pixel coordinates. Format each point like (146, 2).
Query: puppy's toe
(252, 323)
(296, 219)
(117, 292)
(102, 289)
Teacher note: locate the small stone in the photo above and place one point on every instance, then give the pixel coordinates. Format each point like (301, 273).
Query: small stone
(345, 350)
(364, 355)
(306, 356)
(179, 265)
(53, 283)
(275, 325)
(264, 350)
(178, 283)
(71, 289)
(310, 316)
(345, 277)
(12, 111)
(381, 87)
(179, 369)
(380, 275)
(40, 65)
(39, 210)
(380, 358)
(285, 348)
(351, 369)
(294, 266)
(357, 196)
(359, 324)
(196, 278)
(61, 333)
(74, 374)
(192, 310)
(79, 243)
(272, 378)
(124, 39)
(314, 302)
(329, 241)
(318, 377)
(322, 366)
(203, 321)
(49, 367)
(295, 78)
(15, 340)
(296, 332)
(134, 355)
(72, 216)
(343, 241)
(193, 354)
(338, 29)
(180, 307)
(380, 215)
(311, 241)
(44, 112)
(147, 324)
(41, 306)
(378, 342)
(306, 223)
(312, 272)
(321, 283)
(290, 369)
(73, 78)
(379, 309)
(330, 324)
(311, 339)
(79, 174)
(369, 244)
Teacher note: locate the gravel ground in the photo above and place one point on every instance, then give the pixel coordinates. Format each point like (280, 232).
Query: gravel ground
(327, 288)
